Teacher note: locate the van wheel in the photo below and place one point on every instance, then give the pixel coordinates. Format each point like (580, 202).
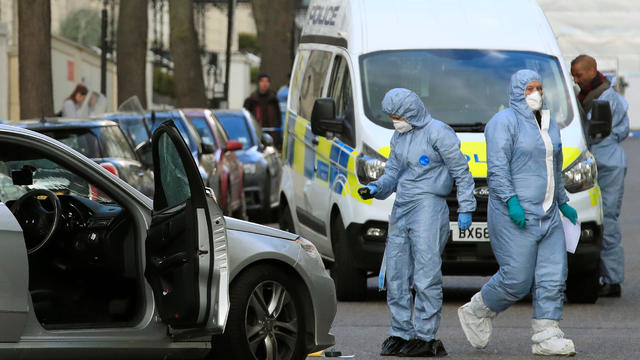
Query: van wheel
(582, 287)
(351, 282)
(286, 220)
(266, 318)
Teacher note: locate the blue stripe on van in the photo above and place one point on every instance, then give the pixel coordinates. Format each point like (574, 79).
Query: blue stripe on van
(339, 162)
(323, 171)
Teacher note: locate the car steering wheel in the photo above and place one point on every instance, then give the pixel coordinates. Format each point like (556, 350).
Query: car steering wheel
(38, 224)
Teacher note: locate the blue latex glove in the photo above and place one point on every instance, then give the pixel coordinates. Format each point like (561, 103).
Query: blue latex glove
(367, 192)
(516, 212)
(569, 212)
(464, 221)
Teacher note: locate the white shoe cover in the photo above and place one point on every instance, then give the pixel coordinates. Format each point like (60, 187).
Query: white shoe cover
(548, 339)
(477, 321)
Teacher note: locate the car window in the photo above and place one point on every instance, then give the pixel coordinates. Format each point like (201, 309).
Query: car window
(135, 129)
(203, 129)
(224, 136)
(191, 129)
(173, 176)
(187, 134)
(313, 81)
(47, 174)
(83, 141)
(161, 118)
(237, 128)
(115, 144)
(340, 90)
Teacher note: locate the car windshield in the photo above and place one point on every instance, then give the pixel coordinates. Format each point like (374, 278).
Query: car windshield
(83, 141)
(184, 131)
(46, 175)
(135, 129)
(203, 129)
(237, 128)
(98, 142)
(463, 88)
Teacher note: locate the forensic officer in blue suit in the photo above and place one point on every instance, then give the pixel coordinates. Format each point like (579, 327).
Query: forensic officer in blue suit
(612, 166)
(526, 196)
(424, 162)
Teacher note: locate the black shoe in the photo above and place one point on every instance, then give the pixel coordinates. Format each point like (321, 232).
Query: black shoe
(610, 290)
(421, 348)
(392, 346)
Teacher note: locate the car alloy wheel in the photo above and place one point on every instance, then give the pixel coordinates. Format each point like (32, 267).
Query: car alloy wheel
(271, 322)
(266, 318)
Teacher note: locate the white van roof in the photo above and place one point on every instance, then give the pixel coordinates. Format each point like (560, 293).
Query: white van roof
(365, 26)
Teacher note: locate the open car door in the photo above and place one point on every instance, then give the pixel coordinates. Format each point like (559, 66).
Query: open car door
(186, 247)
(14, 285)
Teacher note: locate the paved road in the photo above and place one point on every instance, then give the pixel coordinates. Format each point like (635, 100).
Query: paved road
(609, 329)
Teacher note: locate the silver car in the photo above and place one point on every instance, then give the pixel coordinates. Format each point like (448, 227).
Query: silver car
(91, 268)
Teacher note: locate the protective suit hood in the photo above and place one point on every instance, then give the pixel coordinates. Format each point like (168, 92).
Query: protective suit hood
(519, 82)
(406, 103)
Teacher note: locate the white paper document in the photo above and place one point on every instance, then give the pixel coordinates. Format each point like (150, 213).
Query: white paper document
(571, 234)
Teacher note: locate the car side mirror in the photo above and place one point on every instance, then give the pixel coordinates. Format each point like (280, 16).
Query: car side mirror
(267, 140)
(207, 149)
(323, 118)
(144, 153)
(600, 123)
(233, 145)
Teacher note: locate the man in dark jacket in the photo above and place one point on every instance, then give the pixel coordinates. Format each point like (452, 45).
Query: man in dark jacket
(263, 104)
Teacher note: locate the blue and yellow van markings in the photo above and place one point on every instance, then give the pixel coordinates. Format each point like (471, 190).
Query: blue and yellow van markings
(332, 163)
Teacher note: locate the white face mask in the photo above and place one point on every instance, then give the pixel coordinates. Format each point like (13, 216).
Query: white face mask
(534, 100)
(402, 126)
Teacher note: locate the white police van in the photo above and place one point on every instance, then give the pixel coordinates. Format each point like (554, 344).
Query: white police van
(458, 56)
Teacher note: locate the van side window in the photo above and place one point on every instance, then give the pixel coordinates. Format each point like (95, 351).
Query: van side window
(340, 90)
(314, 76)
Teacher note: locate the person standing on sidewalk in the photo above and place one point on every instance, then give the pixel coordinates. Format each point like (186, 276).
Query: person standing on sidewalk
(612, 167)
(263, 104)
(72, 104)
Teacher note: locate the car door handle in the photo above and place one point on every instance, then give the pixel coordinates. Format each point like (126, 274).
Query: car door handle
(315, 141)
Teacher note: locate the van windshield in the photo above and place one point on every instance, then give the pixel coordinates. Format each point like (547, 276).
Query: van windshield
(463, 88)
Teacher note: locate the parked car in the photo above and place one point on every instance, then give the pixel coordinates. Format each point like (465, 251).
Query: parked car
(102, 141)
(136, 126)
(230, 185)
(204, 155)
(261, 162)
(125, 276)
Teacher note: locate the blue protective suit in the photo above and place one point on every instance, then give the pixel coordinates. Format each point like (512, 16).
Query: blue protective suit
(612, 168)
(525, 160)
(421, 169)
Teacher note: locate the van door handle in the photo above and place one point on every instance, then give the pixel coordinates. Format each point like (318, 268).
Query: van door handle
(315, 141)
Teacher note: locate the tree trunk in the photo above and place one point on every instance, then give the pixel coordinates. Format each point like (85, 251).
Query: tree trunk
(34, 51)
(132, 50)
(275, 21)
(187, 66)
